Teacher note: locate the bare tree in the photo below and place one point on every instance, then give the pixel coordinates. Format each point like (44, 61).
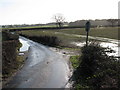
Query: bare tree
(59, 20)
(112, 21)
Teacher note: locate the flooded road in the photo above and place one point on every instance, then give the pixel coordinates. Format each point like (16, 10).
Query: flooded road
(43, 68)
(25, 45)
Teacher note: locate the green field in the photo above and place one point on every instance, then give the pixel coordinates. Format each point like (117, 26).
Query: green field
(106, 32)
(27, 27)
(30, 27)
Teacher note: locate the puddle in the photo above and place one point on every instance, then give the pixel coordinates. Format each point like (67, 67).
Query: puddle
(114, 46)
(25, 45)
(21, 54)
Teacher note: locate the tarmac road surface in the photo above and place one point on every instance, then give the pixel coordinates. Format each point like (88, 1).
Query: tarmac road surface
(43, 69)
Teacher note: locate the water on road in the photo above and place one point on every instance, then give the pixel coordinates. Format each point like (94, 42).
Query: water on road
(43, 68)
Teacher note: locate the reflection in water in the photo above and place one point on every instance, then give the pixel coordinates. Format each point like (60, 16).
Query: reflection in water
(25, 45)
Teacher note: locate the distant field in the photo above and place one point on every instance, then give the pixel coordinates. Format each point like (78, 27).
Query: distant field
(106, 32)
(30, 27)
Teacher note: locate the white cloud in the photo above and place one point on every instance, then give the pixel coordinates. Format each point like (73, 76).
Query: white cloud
(41, 11)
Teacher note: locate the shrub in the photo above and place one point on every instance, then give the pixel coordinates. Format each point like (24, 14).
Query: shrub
(9, 55)
(97, 69)
(10, 45)
(8, 36)
(46, 40)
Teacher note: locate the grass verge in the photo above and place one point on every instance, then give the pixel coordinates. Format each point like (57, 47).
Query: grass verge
(75, 61)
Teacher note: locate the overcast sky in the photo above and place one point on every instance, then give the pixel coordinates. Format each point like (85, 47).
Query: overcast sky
(42, 11)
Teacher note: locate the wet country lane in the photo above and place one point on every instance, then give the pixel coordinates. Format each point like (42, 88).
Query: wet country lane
(43, 69)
